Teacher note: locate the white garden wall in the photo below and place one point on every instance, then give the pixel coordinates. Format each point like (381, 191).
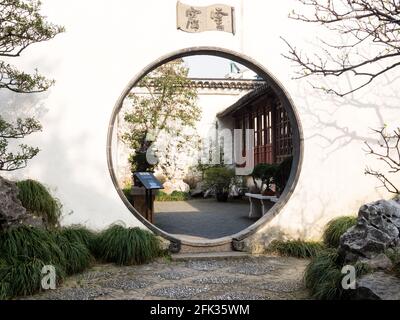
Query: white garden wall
(107, 43)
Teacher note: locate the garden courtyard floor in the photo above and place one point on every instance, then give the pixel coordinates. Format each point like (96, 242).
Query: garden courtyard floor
(203, 218)
(251, 277)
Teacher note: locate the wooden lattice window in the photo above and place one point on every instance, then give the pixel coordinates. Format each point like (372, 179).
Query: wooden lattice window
(284, 138)
(272, 130)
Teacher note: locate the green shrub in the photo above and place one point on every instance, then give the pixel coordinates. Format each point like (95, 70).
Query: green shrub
(128, 194)
(336, 228)
(25, 250)
(29, 242)
(81, 235)
(219, 178)
(323, 276)
(127, 246)
(264, 172)
(76, 253)
(22, 276)
(295, 248)
(174, 196)
(36, 199)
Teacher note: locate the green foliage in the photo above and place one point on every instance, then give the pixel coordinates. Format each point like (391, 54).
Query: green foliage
(264, 172)
(20, 277)
(139, 162)
(29, 242)
(127, 246)
(282, 174)
(219, 178)
(174, 196)
(80, 234)
(296, 248)
(76, 253)
(336, 228)
(20, 26)
(37, 199)
(323, 276)
(23, 253)
(165, 113)
(11, 161)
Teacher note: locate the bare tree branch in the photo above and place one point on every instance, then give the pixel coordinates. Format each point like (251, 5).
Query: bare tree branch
(389, 153)
(361, 22)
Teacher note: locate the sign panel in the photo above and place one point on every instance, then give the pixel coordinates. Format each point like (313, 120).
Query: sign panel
(148, 180)
(217, 17)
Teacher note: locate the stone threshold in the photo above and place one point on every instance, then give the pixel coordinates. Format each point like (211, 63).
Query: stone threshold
(210, 255)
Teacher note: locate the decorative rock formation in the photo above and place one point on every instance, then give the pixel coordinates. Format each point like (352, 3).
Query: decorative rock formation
(378, 286)
(175, 185)
(12, 213)
(11, 209)
(377, 230)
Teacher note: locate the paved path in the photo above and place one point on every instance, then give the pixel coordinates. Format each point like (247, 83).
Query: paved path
(203, 218)
(253, 278)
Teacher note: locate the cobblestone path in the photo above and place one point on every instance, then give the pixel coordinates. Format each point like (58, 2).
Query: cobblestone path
(253, 278)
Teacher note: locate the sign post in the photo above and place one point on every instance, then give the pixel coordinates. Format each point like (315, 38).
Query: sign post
(150, 183)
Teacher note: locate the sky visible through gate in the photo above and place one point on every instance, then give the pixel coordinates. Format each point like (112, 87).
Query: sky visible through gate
(212, 67)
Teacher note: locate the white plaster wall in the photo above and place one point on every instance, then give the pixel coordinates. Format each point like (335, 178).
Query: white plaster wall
(107, 43)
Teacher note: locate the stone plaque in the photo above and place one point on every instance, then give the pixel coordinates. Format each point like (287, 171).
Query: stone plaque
(217, 17)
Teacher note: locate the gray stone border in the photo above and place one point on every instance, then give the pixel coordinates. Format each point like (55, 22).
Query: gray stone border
(298, 143)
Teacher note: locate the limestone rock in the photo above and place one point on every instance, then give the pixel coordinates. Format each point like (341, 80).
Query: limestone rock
(377, 229)
(198, 190)
(11, 209)
(175, 185)
(12, 213)
(379, 262)
(378, 286)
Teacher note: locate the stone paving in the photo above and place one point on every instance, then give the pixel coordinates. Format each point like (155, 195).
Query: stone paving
(203, 218)
(251, 278)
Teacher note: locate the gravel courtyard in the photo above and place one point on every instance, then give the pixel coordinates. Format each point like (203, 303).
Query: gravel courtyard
(253, 278)
(203, 218)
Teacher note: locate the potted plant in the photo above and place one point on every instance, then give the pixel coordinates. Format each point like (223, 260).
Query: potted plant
(219, 179)
(263, 177)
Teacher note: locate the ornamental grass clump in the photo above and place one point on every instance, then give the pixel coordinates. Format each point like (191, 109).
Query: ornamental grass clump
(127, 246)
(174, 196)
(37, 199)
(76, 253)
(22, 276)
(335, 229)
(81, 235)
(30, 242)
(295, 248)
(323, 276)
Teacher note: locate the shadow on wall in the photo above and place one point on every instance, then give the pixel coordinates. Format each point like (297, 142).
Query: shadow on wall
(332, 181)
(375, 102)
(65, 164)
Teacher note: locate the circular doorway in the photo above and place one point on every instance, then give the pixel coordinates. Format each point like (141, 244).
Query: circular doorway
(290, 116)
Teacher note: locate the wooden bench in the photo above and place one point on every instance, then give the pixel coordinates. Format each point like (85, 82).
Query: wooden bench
(258, 204)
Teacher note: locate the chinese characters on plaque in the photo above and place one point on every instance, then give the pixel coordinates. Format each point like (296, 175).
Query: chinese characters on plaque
(218, 17)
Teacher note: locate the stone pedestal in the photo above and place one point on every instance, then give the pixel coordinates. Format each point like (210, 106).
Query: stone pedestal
(139, 202)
